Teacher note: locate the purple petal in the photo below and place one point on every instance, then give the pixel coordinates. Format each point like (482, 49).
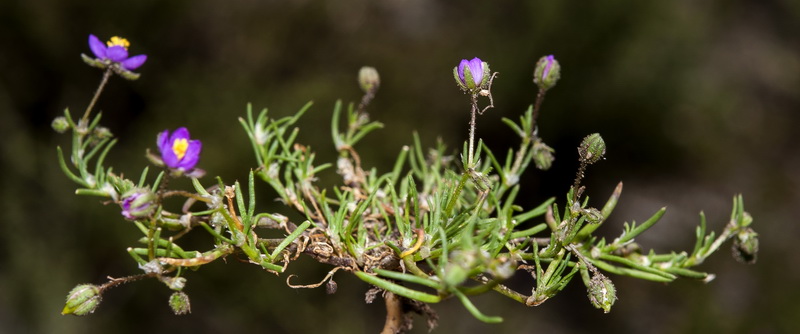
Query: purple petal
(134, 62)
(116, 53)
(165, 146)
(461, 65)
(170, 159)
(97, 47)
(192, 155)
(180, 133)
(163, 141)
(476, 69)
(549, 59)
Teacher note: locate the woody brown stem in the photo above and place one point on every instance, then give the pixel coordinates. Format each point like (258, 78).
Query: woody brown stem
(394, 314)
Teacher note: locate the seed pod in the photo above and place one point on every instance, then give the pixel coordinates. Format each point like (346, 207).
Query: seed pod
(592, 148)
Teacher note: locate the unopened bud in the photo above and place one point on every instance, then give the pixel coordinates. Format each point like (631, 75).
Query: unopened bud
(102, 132)
(458, 268)
(547, 72)
(542, 155)
(592, 215)
(82, 300)
(179, 302)
(502, 268)
(138, 203)
(174, 283)
(472, 75)
(60, 124)
(592, 148)
(602, 292)
(745, 246)
(747, 219)
(368, 79)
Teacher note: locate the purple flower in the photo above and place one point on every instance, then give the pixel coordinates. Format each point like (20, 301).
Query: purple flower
(475, 67)
(471, 75)
(137, 204)
(116, 52)
(177, 150)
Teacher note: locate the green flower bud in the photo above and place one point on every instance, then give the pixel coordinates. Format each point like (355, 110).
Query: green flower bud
(745, 246)
(542, 155)
(547, 72)
(593, 216)
(602, 292)
(368, 79)
(174, 283)
(60, 124)
(502, 268)
(458, 268)
(592, 148)
(102, 132)
(82, 300)
(747, 219)
(179, 302)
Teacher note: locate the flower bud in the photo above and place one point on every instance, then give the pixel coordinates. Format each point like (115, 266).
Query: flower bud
(60, 124)
(138, 203)
(174, 283)
(102, 132)
(472, 75)
(745, 246)
(502, 268)
(592, 215)
(542, 155)
(179, 302)
(602, 292)
(368, 79)
(547, 72)
(82, 300)
(459, 266)
(592, 148)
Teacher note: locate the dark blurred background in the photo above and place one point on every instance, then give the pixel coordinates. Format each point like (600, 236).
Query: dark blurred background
(697, 101)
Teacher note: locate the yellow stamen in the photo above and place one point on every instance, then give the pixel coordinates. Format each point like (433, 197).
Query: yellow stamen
(179, 147)
(118, 41)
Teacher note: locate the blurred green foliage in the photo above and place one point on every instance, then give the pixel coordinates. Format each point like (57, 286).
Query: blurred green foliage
(696, 101)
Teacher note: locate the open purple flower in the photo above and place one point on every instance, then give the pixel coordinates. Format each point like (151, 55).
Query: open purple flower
(471, 75)
(177, 150)
(115, 51)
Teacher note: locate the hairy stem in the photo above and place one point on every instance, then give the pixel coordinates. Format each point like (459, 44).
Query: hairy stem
(106, 75)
